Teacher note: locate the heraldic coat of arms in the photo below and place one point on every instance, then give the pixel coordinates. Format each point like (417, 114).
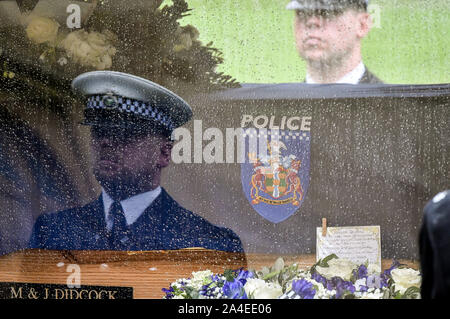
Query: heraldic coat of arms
(276, 177)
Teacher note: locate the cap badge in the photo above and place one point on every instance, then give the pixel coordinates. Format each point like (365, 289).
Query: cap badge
(110, 101)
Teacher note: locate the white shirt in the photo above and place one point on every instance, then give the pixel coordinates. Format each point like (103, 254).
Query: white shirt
(133, 207)
(352, 77)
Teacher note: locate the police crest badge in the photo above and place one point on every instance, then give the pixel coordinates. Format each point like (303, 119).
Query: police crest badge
(275, 174)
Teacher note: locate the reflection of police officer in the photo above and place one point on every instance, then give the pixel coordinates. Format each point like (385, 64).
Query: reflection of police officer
(328, 35)
(131, 122)
(435, 248)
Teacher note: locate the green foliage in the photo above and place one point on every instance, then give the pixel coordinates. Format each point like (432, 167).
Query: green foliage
(229, 275)
(278, 273)
(323, 262)
(173, 54)
(412, 293)
(150, 43)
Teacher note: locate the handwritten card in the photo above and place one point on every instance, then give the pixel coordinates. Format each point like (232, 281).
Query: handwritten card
(358, 244)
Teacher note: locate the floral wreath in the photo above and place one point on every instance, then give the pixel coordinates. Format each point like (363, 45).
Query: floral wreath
(330, 278)
(42, 54)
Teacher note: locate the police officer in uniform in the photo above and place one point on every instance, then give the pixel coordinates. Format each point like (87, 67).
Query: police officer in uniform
(328, 35)
(435, 248)
(131, 121)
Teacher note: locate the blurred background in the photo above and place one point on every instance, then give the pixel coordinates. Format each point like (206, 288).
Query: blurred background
(409, 43)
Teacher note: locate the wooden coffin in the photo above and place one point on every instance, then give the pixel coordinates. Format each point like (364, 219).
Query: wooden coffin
(146, 272)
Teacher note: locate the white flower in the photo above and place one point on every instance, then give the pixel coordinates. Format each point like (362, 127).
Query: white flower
(359, 283)
(199, 278)
(373, 269)
(321, 292)
(252, 284)
(372, 295)
(337, 268)
(259, 289)
(405, 278)
(41, 30)
(185, 37)
(63, 61)
(89, 49)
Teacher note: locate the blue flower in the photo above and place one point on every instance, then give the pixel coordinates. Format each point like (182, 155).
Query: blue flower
(386, 275)
(341, 286)
(361, 272)
(394, 265)
(304, 288)
(375, 281)
(234, 290)
(169, 292)
(363, 288)
(243, 275)
(319, 278)
(209, 290)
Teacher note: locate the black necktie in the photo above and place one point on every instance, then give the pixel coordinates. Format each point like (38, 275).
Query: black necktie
(119, 232)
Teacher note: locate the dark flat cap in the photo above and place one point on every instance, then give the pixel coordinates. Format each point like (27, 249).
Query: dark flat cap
(125, 100)
(313, 5)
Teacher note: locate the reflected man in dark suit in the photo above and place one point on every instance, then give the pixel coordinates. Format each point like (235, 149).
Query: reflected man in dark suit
(328, 36)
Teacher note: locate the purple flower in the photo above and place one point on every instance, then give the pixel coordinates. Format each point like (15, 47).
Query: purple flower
(243, 275)
(319, 278)
(374, 281)
(208, 290)
(394, 265)
(216, 278)
(234, 290)
(232, 286)
(341, 286)
(361, 272)
(384, 280)
(363, 288)
(169, 292)
(304, 288)
(386, 275)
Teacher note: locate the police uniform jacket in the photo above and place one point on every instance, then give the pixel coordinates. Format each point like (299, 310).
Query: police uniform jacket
(164, 225)
(369, 78)
(435, 248)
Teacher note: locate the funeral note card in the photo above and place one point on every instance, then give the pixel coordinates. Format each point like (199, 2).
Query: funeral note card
(358, 244)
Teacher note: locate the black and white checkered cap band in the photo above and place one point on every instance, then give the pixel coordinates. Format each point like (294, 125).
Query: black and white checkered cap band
(290, 295)
(123, 104)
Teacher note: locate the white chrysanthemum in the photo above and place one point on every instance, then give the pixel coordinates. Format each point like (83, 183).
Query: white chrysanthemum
(337, 268)
(185, 37)
(199, 278)
(259, 289)
(405, 278)
(90, 49)
(42, 30)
